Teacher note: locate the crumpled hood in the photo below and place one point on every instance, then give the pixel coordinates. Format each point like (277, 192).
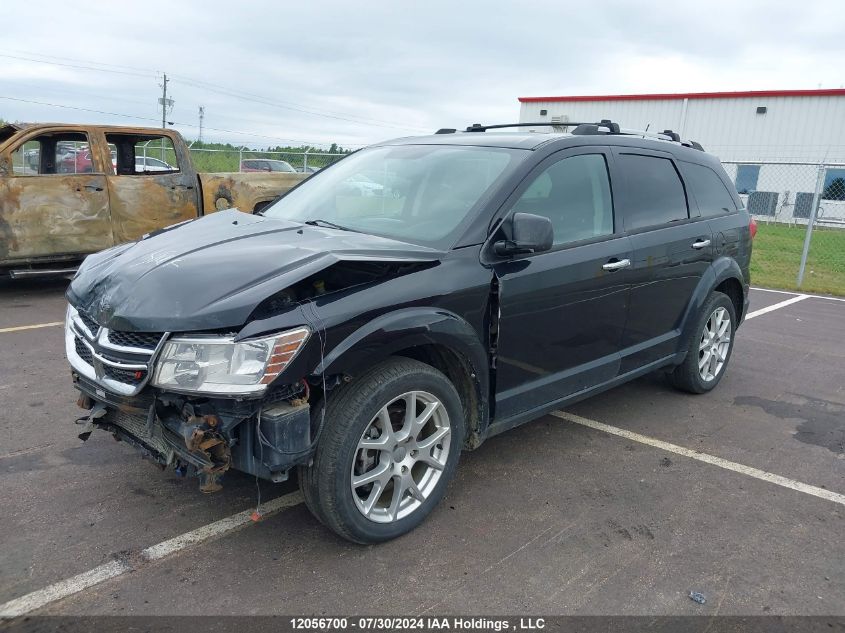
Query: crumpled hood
(211, 273)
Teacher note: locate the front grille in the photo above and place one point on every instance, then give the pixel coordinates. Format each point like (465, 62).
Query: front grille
(83, 351)
(90, 323)
(118, 361)
(142, 340)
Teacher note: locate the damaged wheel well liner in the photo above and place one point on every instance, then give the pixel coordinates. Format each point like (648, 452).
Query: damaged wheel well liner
(434, 336)
(460, 373)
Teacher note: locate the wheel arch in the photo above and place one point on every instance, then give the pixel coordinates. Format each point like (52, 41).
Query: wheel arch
(436, 337)
(723, 275)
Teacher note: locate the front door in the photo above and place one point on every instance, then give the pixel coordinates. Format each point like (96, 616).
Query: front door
(562, 312)
(151, 187)
(54, 204)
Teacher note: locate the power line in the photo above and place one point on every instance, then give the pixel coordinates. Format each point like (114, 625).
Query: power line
(81, 61)
(282, 104)
(86, 94)
(142, 118)
(103, 70)
(223, 90)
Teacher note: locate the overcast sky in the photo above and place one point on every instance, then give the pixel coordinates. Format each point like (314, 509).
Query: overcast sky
(317, 72)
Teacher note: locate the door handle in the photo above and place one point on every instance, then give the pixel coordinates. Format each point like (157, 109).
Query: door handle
(182, 187)
(91, 188)
(617, 265)
(700, 243)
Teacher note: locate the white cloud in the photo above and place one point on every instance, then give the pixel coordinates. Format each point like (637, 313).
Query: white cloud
(396, 67)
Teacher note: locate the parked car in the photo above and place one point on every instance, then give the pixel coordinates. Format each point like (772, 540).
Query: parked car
(148, 164)
(367, 340)
(75, 161)
(255, 164)
(362, 185)
(108, 192)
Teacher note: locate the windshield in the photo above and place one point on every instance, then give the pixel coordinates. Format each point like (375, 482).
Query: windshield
(421, 194)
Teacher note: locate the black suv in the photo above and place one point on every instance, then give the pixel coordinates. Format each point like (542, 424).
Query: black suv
(408, 302)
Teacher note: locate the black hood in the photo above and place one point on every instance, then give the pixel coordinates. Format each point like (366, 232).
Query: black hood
(211, 273)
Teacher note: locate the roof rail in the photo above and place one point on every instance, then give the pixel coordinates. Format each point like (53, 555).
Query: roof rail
(612, 128)
(665, 135)
(605, 126)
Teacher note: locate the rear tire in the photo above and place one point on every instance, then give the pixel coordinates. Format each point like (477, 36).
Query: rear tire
(389, 447)
(709, 347)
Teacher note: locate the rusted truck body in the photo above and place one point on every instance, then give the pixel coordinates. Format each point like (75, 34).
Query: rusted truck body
(70, 190)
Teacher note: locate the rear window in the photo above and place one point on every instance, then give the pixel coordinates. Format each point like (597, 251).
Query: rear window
(136, 155)
(710, 193)
(655, 193)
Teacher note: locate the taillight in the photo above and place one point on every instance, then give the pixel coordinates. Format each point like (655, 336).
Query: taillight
(752, 228)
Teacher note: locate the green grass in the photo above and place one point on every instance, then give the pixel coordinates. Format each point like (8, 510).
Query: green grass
(776, 256)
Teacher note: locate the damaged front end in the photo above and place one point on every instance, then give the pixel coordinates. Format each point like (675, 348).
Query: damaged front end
(261, 429)
(189, 343)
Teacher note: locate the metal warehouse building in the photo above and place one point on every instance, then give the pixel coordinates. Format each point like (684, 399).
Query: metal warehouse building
(780, 146)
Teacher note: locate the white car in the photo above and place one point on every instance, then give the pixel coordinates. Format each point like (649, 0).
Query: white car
(148, 163)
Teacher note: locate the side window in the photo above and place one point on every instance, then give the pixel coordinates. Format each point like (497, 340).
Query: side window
(574, 193)
(26, 160)
(710, 192)
(746, 178)
(834, 184)
(655, 193)
(134, 155)
(67, 153)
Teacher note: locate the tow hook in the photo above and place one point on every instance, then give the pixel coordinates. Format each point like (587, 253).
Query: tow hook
(95, 412)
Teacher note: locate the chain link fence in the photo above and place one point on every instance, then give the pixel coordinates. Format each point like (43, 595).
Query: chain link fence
(800, 213)
(225, 160)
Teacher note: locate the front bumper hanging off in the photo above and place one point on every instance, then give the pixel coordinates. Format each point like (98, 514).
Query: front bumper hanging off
(204, 437)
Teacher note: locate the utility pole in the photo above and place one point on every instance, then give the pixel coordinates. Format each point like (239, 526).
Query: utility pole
(202, 115)
(164, 101)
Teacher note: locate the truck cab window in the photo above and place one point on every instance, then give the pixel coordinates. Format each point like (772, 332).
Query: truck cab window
(142, 155)
(67, 153)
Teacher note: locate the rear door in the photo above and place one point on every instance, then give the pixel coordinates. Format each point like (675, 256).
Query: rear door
(51, 204)
(673, 248)
(144, 199)
(562, 312)
(717, 205)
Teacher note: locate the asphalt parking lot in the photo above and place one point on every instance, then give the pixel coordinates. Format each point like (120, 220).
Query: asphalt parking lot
(560, 516)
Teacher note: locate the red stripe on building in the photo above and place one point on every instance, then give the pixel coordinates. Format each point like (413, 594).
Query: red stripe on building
(826, 92)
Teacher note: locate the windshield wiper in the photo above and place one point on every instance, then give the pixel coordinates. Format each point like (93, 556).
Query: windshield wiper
(328, 224)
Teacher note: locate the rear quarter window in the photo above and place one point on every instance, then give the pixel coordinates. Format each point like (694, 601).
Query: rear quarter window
(708, 189)
(655, 193)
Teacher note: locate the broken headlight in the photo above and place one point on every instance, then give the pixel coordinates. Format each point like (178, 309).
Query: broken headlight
(223, 366)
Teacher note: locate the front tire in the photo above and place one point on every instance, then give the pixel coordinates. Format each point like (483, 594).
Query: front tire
(709, 347)
(389, 447)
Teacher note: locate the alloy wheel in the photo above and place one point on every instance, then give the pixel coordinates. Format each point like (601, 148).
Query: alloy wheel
(714, 344)
(400, 457)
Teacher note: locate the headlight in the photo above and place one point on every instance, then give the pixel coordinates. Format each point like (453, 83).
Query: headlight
(219, 365)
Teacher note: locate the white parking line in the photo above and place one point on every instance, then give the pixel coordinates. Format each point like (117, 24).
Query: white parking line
(64, 588)
(778, 480)
(776, 306)
(19, 328)
(792, 292)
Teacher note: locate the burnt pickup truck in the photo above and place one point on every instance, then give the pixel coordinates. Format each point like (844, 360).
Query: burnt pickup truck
(70, 190)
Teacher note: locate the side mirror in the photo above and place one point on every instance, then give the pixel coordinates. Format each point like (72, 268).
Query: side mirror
(531, 234)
